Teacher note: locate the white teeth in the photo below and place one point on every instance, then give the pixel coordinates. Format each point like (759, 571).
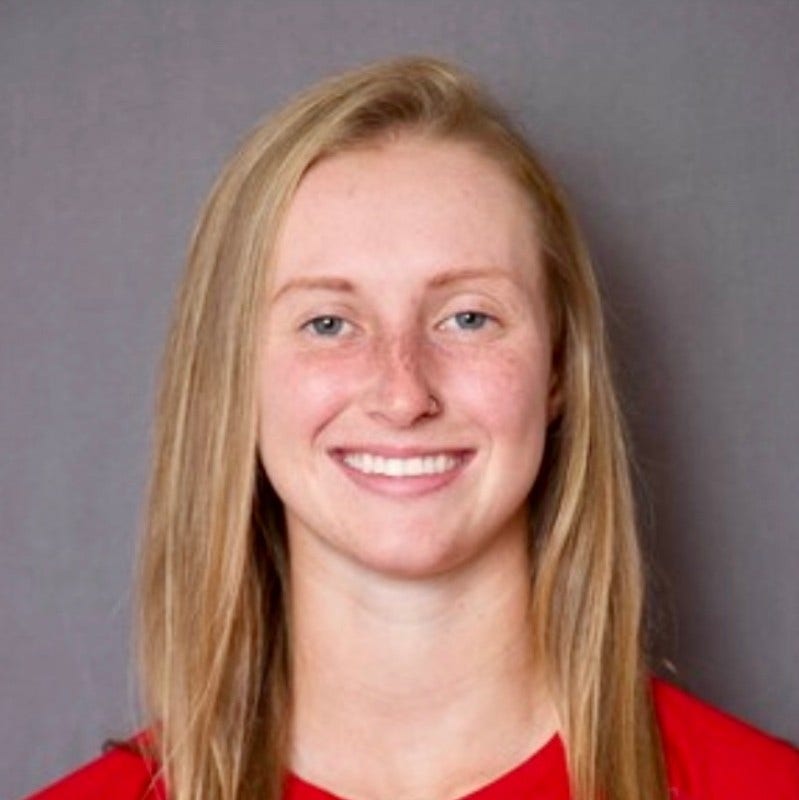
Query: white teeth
(400, 467)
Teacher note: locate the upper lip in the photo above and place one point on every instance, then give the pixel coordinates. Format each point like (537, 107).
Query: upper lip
(389, 451)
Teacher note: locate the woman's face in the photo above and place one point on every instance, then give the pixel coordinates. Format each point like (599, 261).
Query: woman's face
(404, 383)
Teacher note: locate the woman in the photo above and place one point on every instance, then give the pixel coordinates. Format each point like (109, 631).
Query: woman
(391, 548)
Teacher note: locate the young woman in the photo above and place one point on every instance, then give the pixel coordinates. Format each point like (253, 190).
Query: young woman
(391, 549)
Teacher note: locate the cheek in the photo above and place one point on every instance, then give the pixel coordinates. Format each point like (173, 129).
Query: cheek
(506, 390)
(299, 393)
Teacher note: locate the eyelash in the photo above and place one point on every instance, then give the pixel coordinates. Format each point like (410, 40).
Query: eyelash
(479, 315)
(311, 325)
(334, 323)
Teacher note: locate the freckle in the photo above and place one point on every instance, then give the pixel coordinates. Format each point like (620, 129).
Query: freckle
(407, 356)
(406, 360)
(510, 377)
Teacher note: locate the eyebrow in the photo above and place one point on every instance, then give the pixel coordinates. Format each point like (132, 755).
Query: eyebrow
(336, 284)
(469, 273)
(330, 283)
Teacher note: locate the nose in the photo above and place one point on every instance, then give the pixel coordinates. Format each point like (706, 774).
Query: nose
(400, 392)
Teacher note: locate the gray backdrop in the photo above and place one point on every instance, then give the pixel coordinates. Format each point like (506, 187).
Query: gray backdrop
(673, 124)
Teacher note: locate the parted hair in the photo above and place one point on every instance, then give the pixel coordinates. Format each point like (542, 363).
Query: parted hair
(213, 632)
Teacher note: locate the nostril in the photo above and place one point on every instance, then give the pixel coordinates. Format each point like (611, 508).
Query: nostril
(401, 393)
(400, 390)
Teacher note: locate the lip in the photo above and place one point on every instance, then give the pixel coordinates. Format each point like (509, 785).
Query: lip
(406, 485)
(390, 451)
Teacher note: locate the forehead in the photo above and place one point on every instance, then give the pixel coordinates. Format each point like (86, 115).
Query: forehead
(413, 204)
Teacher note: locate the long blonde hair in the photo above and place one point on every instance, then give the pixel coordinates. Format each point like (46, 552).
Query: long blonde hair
(213, 633)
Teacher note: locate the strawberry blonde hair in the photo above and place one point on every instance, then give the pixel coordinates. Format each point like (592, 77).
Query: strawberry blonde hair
(213, 630)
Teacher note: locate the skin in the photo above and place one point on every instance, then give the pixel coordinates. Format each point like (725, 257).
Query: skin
(406, 315)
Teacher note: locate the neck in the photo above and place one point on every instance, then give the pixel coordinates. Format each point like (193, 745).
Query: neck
(430, 681)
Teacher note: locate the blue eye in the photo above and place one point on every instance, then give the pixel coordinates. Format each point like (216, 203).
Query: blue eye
(327, 325)
(470, 320)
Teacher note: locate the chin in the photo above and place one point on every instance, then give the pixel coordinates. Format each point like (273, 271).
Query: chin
(410, 557)
(409, 569)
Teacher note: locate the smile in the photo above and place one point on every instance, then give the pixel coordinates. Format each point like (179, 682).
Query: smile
(394, 473)
(370, 464)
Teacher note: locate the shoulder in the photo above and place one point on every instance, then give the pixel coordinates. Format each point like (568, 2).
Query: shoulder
(711, 754)
(122, 772)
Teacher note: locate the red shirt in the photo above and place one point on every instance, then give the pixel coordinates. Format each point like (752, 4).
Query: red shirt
(710, 756)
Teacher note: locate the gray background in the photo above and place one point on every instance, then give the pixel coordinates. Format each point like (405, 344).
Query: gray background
(673, 124)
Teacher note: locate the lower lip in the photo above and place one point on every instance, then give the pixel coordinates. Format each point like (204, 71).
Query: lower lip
(407, 485)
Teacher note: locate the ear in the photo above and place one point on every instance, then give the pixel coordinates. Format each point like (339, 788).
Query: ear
(554, 397)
